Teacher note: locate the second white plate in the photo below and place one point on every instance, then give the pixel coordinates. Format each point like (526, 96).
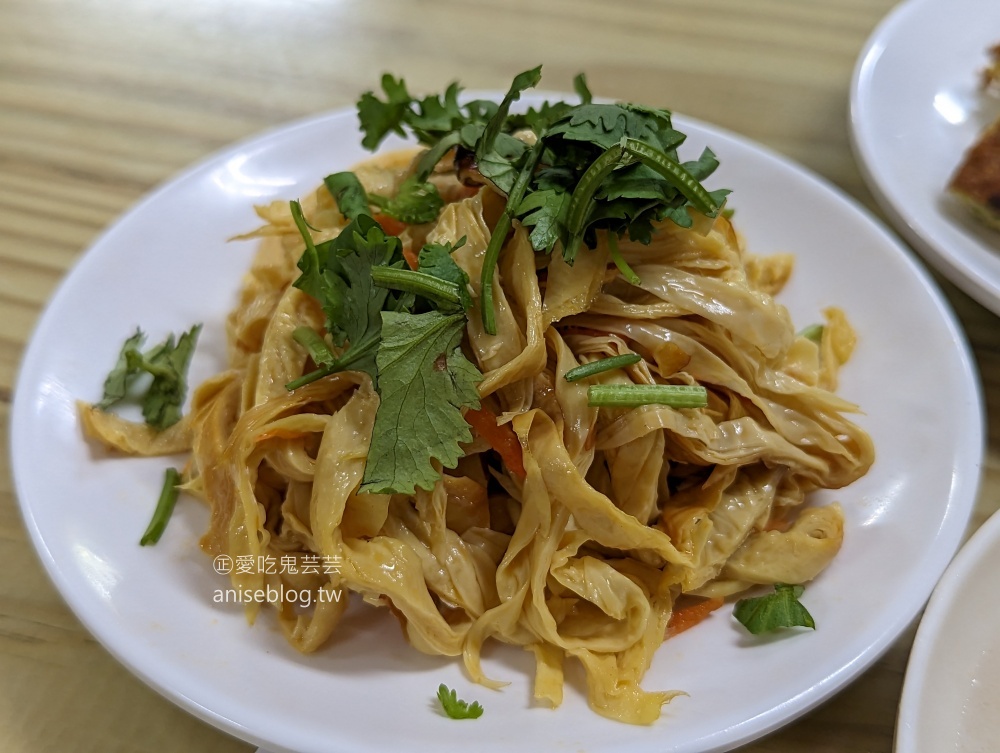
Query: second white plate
(915, 110)
(952, 681)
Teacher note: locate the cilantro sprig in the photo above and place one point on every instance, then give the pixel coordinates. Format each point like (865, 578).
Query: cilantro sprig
(167, 364)
(592, 167)
(587, 169)
(401, 326)
(456, 708)
(338, 273)
(164, 508)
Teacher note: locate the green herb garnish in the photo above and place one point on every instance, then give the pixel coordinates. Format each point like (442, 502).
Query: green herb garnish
(619, 260)
(167, 363)
(338, 273)
(349, 194)
(634, 395)
(813, 332)
(445, 293)
(499, 236)
(780, 609)
(424, 382)
(415, 203)
(435, 259)
(164, 508)
(117, 383)
(316, 346)
(590, 168)
(456, 708)
(403, 328)
(593, 167)
(601, 365)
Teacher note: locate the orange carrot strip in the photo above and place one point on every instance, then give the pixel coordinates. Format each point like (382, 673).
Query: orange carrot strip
(390, 225)
(500, 436)
(690, 615)
(411, 257)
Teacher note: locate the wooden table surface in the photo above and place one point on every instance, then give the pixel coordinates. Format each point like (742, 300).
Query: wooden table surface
(101, 100)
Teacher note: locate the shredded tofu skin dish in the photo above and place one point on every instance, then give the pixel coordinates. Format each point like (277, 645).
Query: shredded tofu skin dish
(524, 384)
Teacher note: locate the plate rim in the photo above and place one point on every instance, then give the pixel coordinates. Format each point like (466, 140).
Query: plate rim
(748, 730)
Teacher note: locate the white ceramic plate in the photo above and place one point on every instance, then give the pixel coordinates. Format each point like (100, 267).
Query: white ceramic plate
(915, 110)
(952, 681)
(166, 264)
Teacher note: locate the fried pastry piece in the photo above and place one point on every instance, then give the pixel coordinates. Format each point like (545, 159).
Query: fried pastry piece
(977, 180)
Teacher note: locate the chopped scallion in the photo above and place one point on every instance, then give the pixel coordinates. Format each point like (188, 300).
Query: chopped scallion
(601, 365)
(634, 395)
(442, 292)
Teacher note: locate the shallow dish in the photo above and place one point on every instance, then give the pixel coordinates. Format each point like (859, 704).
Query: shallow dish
(915, 110)
(166, 264)
(953, 675)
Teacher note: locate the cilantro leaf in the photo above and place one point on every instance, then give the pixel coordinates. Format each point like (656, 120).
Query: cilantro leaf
(456, 708)
(545, 212)
(676, 214)
(438, 115)
(498, 154)
(429, 159)
(432, 120)
(719, 198)
(435, 259)
(636, 182)
(424, 382)
(379, 118)
(500, 164)
(704, 166)
(415, 202)
(777, 610)
(122, 375)
(347, 191)
(539, 119)
(604, 125)
(161, 406)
